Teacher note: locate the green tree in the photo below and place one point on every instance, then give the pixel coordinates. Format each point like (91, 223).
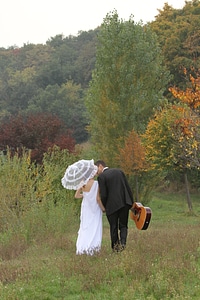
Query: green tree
(178, 31)
(127, 83)
(21, 88)
(85, 62)
(66, 102)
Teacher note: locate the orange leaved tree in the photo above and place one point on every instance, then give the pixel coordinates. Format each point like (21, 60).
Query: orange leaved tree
(191, 96)
(132, 159)
(172, 141)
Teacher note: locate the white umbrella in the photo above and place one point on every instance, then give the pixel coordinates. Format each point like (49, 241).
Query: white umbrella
(78, 174)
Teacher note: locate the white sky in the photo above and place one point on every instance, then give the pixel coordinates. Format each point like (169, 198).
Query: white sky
(36, 21)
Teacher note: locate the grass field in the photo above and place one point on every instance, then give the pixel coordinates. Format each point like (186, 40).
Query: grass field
(162, 262)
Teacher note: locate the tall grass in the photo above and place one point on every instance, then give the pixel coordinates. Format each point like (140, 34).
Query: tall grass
(25, 186)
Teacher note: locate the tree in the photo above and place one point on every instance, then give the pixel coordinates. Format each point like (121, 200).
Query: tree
(37, 133)
(49, 78)
(132, 159)
(179, 36)
(172, 142)
(127, 83)
(66, 102)
(191, 96)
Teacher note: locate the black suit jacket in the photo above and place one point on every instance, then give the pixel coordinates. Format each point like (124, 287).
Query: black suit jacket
(114, 190)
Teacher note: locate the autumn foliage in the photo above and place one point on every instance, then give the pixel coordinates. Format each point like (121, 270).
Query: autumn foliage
(191, 96)
(186, 129)
(132, 155)
(37, 133)
(172, 138)
(186, 134)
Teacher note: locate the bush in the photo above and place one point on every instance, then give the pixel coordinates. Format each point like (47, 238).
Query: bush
(28, 190)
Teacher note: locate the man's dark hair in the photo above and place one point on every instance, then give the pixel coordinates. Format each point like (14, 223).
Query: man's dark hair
(100, 162)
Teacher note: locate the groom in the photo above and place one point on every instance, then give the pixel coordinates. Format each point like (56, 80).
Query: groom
(117, 199)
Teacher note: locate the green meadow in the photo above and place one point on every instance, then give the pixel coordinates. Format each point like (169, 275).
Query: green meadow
(38, 260)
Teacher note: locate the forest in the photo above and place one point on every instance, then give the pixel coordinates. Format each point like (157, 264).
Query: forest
(134, 85)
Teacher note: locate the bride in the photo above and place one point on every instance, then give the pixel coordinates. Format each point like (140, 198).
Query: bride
(90, 230)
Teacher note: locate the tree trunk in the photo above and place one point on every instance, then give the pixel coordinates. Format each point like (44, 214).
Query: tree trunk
(189, 202)
(137, 192)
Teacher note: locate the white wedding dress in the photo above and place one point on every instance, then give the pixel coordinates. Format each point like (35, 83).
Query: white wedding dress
(90, 231)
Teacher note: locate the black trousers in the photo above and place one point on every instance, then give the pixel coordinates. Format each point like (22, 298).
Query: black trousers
(119, 226)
